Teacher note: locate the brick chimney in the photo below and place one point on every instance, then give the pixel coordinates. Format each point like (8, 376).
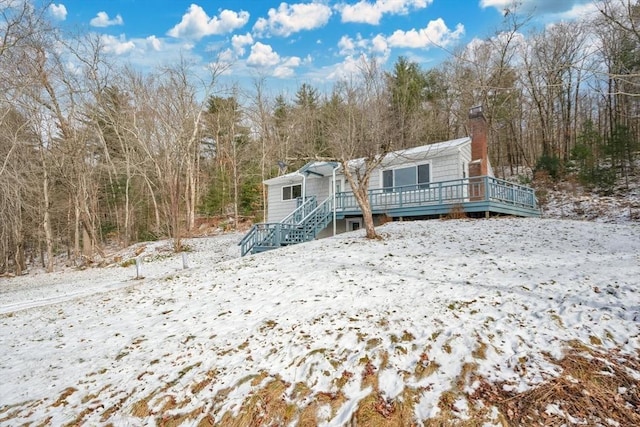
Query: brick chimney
(479, 165)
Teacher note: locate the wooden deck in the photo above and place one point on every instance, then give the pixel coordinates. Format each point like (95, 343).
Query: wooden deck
(478, 195)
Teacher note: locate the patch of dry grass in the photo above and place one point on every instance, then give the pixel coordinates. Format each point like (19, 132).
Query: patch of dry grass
(456, 212)
(480, 352)
(376, 410)
(209, 377)
(266, 406)
(62, 400)
(117, 407)
(425, 366)
(594, 388)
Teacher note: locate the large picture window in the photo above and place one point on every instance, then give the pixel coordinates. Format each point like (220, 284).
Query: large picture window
(419, 175)
(291, 192)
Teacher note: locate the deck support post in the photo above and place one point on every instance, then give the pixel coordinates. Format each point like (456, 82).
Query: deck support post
(278, 235)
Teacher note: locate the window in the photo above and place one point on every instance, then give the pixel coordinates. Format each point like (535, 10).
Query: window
(424, 175)
(291, 192)
(354, 224)
(412, 175)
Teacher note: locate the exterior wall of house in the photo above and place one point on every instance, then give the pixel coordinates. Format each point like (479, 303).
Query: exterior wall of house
(444, 167)
(278, 209)
(319, 187)
(452, 166)
(344, 225)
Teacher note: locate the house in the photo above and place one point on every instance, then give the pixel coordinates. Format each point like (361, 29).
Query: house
(421, 182)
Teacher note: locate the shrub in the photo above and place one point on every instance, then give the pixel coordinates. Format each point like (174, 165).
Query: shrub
(553, 165)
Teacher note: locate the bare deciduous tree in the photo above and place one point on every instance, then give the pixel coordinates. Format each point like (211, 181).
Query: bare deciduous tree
(359, 127)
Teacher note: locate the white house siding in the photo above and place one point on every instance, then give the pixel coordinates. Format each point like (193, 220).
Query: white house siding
(443, 167)
(465, 158)
(278, 209)
(376, 179)
(319, 187)
(446, 168)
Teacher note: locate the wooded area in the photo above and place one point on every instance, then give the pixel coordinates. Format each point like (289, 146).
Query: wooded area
(93, 151)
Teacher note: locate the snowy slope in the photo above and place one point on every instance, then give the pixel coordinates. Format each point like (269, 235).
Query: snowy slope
(417, 308)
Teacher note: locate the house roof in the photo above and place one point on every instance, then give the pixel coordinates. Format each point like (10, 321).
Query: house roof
(319, 168)
(312, 168)
(423, 152)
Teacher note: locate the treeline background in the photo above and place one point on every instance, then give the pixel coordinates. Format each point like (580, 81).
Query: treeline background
(103, 153)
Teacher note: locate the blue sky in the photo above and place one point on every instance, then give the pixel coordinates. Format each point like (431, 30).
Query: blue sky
(295, 42)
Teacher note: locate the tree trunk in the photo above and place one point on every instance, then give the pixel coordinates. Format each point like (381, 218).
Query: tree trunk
(174, 211)
(189, 198)
(87, 247)
(46, 223)
(369, 227)
(76, 235)
(127, 208)
(361, 193)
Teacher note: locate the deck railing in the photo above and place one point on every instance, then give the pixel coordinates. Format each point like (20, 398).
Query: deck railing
(483, 188)
(309, 218)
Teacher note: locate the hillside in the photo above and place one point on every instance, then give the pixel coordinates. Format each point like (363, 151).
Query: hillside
(530, 321)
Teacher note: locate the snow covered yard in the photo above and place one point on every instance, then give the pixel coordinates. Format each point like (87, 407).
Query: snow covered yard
(435, 323)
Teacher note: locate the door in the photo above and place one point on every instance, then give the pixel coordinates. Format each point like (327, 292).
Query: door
(339, 186)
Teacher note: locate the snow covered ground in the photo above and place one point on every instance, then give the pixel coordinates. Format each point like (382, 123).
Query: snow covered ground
(413, 310)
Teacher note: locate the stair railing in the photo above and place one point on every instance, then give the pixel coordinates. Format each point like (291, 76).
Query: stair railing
(301, 225)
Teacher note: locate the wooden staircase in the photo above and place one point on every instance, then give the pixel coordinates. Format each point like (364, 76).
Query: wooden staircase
(301, 225)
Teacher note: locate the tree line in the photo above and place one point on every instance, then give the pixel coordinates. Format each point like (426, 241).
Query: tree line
(94, 152)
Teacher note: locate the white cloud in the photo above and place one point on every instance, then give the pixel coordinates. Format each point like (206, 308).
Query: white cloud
(283, 72)
(354, 49)
(571, 8)
(346, 45)
(371, 13)
(361, 12)
(435, 34)
(262, 55)
(289, 19)
(227, 56)
(154, 42)
(58, 11)
(196, 24)
(349, 46)
(379, 45)
(498, 4)
(147, 53)
(239, 42)
(223, 63)
(287, 68)
(117, 45)
(350, 67)
(293, 61)
(102, 20)
(579, 11)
